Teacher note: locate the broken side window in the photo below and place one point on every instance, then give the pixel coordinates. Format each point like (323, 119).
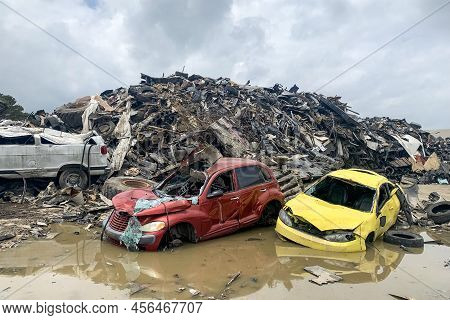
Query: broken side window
(384, 195)
(343, 193)
(45, 141)
(249, 176)
(266, 174)
(223, 182)
(21, 140)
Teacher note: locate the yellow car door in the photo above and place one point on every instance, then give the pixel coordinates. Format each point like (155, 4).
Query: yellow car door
(382, 209)
(387, 208)
(393, 207)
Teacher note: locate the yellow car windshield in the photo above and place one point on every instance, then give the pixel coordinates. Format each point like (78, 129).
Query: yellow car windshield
(344, 193)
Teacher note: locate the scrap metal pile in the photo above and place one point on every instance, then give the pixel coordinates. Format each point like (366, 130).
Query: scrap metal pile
(152, 126)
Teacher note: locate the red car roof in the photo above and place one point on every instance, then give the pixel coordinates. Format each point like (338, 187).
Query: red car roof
(225, 163)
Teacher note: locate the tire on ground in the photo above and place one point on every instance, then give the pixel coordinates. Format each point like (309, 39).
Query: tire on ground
(73, 177)
(405, 238)
(439, 212)
(115, 185)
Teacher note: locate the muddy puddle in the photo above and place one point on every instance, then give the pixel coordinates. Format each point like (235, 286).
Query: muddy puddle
(75, 265)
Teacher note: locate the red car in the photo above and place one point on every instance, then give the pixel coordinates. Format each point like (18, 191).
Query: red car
(196, 203)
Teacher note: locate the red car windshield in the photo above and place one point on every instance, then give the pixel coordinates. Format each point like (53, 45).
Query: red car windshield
(186, 182)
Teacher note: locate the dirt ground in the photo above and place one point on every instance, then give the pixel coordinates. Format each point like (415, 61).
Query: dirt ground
(33, 221)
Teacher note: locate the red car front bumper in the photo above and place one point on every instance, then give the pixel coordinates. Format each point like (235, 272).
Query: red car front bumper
(149, 241)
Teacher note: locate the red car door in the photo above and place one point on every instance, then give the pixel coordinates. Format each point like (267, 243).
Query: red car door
(222, 205)
(252, 183)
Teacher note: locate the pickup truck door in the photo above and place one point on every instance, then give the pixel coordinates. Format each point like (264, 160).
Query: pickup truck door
(52, 156)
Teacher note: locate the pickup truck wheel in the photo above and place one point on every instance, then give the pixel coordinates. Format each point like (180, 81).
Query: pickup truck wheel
(405, 238)
(73, 178)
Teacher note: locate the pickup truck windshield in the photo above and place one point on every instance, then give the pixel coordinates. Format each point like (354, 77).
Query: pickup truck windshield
(343, 193)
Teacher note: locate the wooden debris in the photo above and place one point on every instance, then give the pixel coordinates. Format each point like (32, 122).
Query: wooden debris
(194, 292)
(398, 297)
(52, 235)
(323, 275)
(233, 278)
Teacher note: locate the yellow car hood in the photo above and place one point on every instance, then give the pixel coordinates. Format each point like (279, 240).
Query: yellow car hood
(326, 216)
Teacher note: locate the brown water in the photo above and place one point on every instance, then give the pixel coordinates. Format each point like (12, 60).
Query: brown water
(78, 266)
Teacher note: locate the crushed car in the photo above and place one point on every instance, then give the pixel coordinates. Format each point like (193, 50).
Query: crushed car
(46, 153)
(199, 201)
(343, 211)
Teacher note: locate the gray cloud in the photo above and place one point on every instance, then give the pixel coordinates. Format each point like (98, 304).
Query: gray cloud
(267, 42)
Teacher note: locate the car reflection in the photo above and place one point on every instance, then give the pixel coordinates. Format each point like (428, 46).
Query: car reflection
(373, 265)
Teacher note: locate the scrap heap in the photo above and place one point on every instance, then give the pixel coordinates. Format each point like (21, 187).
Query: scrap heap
(152, 126)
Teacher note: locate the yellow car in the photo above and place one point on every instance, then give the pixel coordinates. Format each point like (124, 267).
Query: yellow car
(343, 211)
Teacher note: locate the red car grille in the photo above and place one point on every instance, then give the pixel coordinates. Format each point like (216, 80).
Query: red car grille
(119, 221)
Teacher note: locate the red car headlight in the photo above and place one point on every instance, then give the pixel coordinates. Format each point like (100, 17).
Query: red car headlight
(153, 226)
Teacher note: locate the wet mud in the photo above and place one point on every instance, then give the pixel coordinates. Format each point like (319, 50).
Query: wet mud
(77, 265)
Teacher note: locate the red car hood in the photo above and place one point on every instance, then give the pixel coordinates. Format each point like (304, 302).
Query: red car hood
(126, 201)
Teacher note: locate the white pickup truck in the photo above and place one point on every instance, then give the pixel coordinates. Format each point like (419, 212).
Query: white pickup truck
(43, 152)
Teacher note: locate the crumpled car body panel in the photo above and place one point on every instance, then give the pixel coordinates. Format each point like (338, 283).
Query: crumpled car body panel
(326, 217)
(313, 242)
(209, 216)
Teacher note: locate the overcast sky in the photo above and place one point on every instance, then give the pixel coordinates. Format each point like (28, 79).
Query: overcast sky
(266, 42)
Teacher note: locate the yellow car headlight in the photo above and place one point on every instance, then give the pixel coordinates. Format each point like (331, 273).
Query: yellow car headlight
(153, 226)
(339, 236)
(285, 218)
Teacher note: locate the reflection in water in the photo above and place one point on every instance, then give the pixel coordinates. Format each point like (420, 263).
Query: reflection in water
(440, 236)
(262, 259)
(373, 265)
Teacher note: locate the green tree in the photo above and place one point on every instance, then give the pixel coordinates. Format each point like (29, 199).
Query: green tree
(9, 109)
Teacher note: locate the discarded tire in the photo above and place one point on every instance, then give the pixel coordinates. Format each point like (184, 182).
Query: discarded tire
(439, 212)
(105, 129)
(405, 238)
(116, 185)
(71, 113)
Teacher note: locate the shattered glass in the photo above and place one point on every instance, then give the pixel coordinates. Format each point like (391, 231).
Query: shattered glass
(144, 204)
(132, 235)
